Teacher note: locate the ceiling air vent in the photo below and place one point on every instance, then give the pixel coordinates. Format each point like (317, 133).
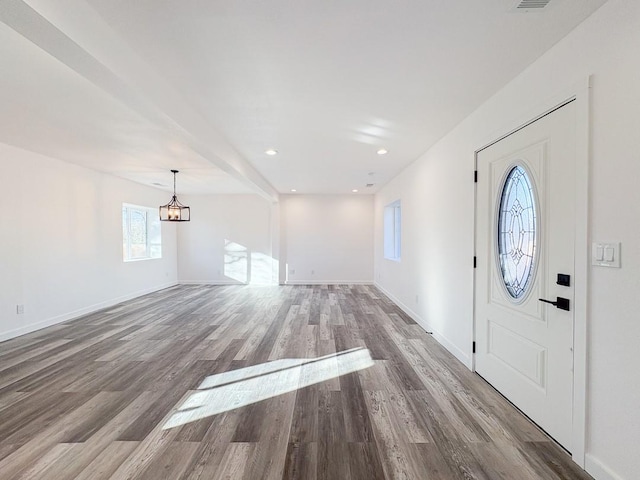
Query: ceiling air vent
(530, 5)
(369, 185)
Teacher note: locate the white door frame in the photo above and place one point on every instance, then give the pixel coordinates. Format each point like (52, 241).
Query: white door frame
(579, 92)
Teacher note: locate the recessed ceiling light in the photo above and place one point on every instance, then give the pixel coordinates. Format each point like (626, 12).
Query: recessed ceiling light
(294, 190)
(383, 151)
(271, 152)
(355, 190)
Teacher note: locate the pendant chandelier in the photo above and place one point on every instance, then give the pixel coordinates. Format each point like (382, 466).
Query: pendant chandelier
(174, 211)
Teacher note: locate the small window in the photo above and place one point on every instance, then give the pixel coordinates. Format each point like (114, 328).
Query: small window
(392, 229)
(141, 237)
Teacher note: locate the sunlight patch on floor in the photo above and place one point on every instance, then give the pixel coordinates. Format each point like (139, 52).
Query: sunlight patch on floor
(238, 388)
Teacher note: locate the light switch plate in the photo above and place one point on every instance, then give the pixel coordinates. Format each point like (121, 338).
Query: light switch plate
(605, 254)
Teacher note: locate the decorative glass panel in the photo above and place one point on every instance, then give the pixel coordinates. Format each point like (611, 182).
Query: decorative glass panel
(517, 224)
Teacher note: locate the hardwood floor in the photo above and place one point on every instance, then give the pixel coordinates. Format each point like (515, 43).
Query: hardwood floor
(93, 398)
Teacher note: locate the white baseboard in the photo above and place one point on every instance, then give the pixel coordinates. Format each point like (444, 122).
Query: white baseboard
(599, 470)
(290, 282)
(32, 327)
(211, 282)
(465, 358)
(328, 282)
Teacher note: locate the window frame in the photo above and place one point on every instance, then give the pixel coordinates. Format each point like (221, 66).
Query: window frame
(392, 231)
(153, 249)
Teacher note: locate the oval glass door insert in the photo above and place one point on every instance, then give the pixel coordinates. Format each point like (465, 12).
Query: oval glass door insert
(517, 229)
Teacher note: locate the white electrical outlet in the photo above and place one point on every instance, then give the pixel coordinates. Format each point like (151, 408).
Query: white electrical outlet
(313, 272)
(19, 309)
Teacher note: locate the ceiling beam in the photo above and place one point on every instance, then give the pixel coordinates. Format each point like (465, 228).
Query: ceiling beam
(76, 35)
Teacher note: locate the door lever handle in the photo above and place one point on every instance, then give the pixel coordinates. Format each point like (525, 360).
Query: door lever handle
(561, 303)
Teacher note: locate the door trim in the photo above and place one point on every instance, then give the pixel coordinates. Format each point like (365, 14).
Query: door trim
(580, 93)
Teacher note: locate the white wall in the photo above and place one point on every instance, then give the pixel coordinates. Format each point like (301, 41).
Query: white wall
(437, 201)
(326, 238)
(433, 282)
(61, 242)
(227, 241)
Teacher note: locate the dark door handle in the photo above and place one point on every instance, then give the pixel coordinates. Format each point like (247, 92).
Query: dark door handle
(561, 303)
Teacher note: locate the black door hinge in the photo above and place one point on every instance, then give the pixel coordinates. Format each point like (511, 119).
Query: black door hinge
(475, 176)
(473, 347)
(475, 262)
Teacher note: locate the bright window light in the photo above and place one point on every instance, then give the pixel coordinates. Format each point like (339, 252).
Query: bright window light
(141, 233)
(392, 231)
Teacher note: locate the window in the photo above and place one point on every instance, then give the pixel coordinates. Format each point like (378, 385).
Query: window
(517, 232)
(141, 236)
(392, 224)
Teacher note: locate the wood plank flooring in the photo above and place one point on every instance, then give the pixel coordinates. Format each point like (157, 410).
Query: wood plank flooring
(88, 399)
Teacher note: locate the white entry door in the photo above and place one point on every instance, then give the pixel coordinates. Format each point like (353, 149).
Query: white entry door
(524, 240)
